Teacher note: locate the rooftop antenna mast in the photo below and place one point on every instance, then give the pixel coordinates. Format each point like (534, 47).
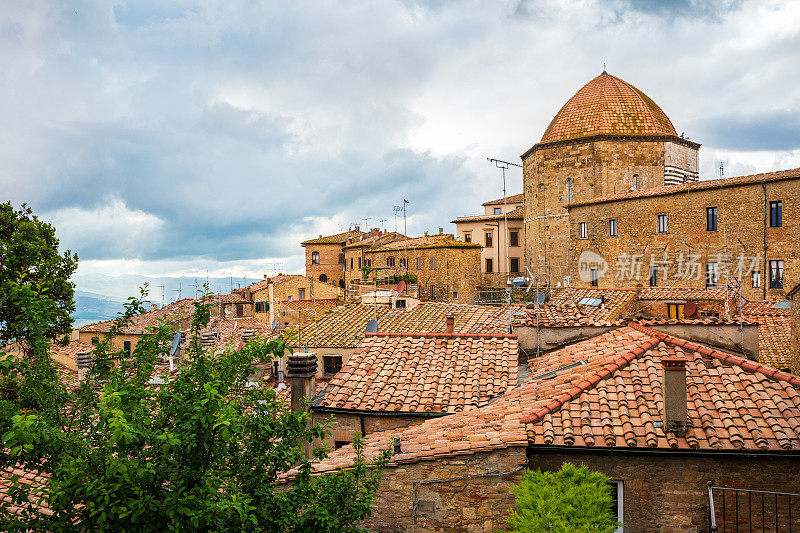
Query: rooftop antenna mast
(721, 169)
(397, 210)
(366, 223)
(180, 287)
(162, 294)
(383, 224)
(503, 165)
(405, 229)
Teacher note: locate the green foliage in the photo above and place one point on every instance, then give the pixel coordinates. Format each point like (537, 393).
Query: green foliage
(202, 452)
(572, 499)
(36, 296)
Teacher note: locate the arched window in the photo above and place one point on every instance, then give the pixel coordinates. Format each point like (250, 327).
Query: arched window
(323, 278)
(636, 182)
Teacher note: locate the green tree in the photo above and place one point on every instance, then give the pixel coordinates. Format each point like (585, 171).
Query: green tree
(36, 296)
(572, 499)
(202, 452)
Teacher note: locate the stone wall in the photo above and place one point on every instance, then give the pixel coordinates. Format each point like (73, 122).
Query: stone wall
(595, 168)
(739, 237)
(795, 334)
(329, 264)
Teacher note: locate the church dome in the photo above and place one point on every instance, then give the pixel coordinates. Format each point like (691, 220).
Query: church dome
(608, 106)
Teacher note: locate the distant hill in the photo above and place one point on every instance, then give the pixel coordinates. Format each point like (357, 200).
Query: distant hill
(100, 297)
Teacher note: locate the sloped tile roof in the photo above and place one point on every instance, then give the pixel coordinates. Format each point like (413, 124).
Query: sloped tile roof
(180, 310)
(774, 332)
(734, 181)
(517, 213)
(614, 399)
(608, 106)
(684, 293)
(762, 308)
(513, 199)
(424, 373)
(377, 240)
(29, 478)
(339, 238)
(565, 309)
(231, 329)
(345, 326)
(429, 241)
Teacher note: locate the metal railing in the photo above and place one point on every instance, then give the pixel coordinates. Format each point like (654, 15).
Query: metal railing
(747, 510)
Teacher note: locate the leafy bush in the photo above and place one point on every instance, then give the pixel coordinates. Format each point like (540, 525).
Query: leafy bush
(572, 499)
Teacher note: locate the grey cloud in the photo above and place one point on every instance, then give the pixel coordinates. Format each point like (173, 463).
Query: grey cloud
(777, 129)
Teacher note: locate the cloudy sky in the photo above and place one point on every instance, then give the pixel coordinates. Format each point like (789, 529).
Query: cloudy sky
(169, 138)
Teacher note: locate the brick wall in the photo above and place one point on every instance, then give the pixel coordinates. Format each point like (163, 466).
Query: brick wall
(329, 264)
(740, 226)
(595, 168)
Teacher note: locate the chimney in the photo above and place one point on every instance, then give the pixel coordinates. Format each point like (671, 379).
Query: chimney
(441, 231)
(153, 307)
(83, 361)
(302, 369)
(451, 324)
(426, 233)
(674, 394)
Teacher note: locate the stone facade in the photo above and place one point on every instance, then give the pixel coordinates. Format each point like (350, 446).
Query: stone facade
(794, 297)
(742, 232)
(325, 256)
(344, 425)
(557, 174)
(268, 296)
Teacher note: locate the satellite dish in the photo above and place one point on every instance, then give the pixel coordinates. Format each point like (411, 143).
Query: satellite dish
(372, 326)
(176, 344)
(689, 308)
(539, 298)
(274, 323)
(401, 286)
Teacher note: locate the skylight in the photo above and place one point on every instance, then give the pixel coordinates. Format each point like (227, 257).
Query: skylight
(557, 370)
(591, 301)
(782, 305)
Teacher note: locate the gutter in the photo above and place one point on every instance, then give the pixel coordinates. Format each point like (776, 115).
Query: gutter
(318, 409)
(622, 452)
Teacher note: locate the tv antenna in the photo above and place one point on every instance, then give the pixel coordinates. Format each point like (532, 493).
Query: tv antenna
(162, 295)
(366, 222)
(383, 224)
(503, 165)
(179, 290)
(396, 210)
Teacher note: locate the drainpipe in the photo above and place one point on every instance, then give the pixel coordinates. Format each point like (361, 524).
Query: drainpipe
(764, 256)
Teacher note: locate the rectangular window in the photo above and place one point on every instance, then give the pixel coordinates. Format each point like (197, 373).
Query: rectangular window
(351, 263)
(616, 502)
(331, 364)
(432, 290)
(675, 310)
(400, 304)
(595, 277)
(341, 259)
(653, 276)
(612, 227)
(755, 279)
(390, 261)
(468, 237)
(259, 307)
(433, 263)
(359, 263)
(662, 223)
(514, 264)
(368, 262)
(301, 294)
(513, 238)
(498, 210)
(583, 233)
(404, 263)
(776, 274)
(776, 214)
(712, 274)
(455, 295)
(569, 190)
(419, 263)
(489, 265)
(126, 347)
(711, 219)
(314, 258)
(488, 239)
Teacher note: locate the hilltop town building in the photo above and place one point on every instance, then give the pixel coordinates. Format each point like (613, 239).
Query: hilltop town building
(325, 256)
(501, 232)
(290, 299)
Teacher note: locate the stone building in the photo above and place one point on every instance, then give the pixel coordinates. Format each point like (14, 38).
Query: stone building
(794, 328)
(741, 231)
(355, 258)
(395, 380)
(290, 298)
(325, 256)
(608, 138)
(663, 417)
(445, 269)
(500, 226)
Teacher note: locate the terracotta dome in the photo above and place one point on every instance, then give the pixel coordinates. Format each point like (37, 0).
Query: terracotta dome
(608, 106)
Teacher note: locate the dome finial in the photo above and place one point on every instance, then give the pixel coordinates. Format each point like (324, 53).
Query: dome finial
(604, 68)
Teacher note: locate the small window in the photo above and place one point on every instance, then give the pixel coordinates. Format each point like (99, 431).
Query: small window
(468, 237)
(331, 364)
(390, 261)
(314, 258)
(455, 295)
(351, 263)
(432, 290)
(341, 259)
(776, 274)
(498, 210)
(583, 233)
(489, 265)
(433, 263)
(776, 214)
(514, 264)
(301, 294)
(675, 310)
(711, 219)
(323, 278)
(339, 444)
(513, 238)
(404, 263)
(595, 277)
(612, 227)
(359, 263)
(755, 279)
(95, 341)
(289, 298)
(712, 274)
(616, 502)
(419, 263)
(653, 276)
(259, 307)
(400, 304)
(488, 241)
(569, 190)
(126, 347)
(368, 262)
(662, 223)
(635, 186)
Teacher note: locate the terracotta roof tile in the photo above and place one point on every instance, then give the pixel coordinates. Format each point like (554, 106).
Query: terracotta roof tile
(180, 310)
(424, 373)
(684, 293)
(518, 213)
(339, 238)
(565, 309)
(429, 241)
(513, 199)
